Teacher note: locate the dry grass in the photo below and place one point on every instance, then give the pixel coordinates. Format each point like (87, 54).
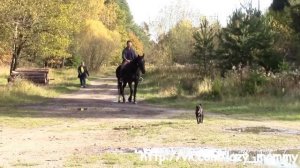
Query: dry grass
(4, 72)
(184, 88)
(128, 133)
(110, 160)
(23, 92)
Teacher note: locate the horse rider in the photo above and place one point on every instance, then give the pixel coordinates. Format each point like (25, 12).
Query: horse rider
(128, 55)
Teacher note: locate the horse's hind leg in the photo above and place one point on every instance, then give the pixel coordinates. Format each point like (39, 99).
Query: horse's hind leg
(135, 90)
(122, 91)
(130, 87)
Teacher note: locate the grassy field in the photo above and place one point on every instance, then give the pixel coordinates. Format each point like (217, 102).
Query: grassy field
(77, 141)
(24, 92)
(132, 160)
(180, 88)
(92, 135)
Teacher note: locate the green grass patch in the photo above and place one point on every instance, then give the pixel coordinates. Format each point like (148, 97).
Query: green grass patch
(213, 133)
(179, 88)
(24, 92)
(257, 107)
(65, 81)
(105, 71)
(28, 123)
(26, 119)
(81, 160)
(20, 163)
(4, 72)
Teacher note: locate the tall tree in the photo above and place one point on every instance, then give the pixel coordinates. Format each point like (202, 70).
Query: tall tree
(97, 44)
(181, 42)
(287, 25)
(205, 44)
(27, 22)
(279, 5)
(246, 40)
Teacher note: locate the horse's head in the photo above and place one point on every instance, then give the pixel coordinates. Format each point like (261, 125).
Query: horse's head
(141, 63)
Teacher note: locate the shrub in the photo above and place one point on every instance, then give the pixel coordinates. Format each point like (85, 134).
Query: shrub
(253, 84)
(217, 89)
(187, 85)
(203, 87)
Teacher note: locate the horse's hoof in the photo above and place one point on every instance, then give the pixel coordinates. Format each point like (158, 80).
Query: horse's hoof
(134, 102)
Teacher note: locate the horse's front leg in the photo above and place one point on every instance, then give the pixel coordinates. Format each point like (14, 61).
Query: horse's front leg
(131, 90)
(122, 91)
(135, 90)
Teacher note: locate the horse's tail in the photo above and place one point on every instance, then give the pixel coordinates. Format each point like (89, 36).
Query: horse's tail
(118, 72)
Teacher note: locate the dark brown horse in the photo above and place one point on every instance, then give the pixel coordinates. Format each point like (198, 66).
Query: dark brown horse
(130, 73)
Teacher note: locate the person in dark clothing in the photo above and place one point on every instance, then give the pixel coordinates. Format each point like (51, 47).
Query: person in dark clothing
(128, 53)
(83, 74)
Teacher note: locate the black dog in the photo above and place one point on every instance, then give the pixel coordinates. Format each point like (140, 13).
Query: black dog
(199, 114)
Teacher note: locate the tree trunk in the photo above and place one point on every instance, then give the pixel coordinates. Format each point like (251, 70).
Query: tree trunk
(12, 65)
(16, 51)
(63, 63)
(17, 55)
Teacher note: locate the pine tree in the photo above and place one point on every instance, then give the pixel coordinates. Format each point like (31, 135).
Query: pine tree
(247, 41)
(204, 45)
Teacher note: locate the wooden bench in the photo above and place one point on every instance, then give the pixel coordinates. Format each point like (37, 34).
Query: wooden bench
(37, 75)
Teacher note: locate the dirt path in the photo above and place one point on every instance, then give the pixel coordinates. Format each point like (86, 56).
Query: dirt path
(99, 100)
(78, 131)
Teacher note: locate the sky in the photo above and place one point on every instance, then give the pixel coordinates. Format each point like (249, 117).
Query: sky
(148, 10)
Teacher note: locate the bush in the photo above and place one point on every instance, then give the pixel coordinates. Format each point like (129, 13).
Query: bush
(73, 61)
(187, 85)
(97, 44)
(203, 87)
(217, 89)
(208, 89)
(253, 84)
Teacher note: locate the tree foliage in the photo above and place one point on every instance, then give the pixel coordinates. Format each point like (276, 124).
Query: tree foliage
(279, 5)
(42, 31)
(205, 44)
(35, 27)
(178, 42)
(138, 45)
(181, 42)
(287, 25)
(247, 40)
(97, 44)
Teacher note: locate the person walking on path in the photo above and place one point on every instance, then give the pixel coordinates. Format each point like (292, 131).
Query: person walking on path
(83, 74)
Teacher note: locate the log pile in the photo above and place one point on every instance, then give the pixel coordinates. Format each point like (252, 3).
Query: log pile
(38, 75)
